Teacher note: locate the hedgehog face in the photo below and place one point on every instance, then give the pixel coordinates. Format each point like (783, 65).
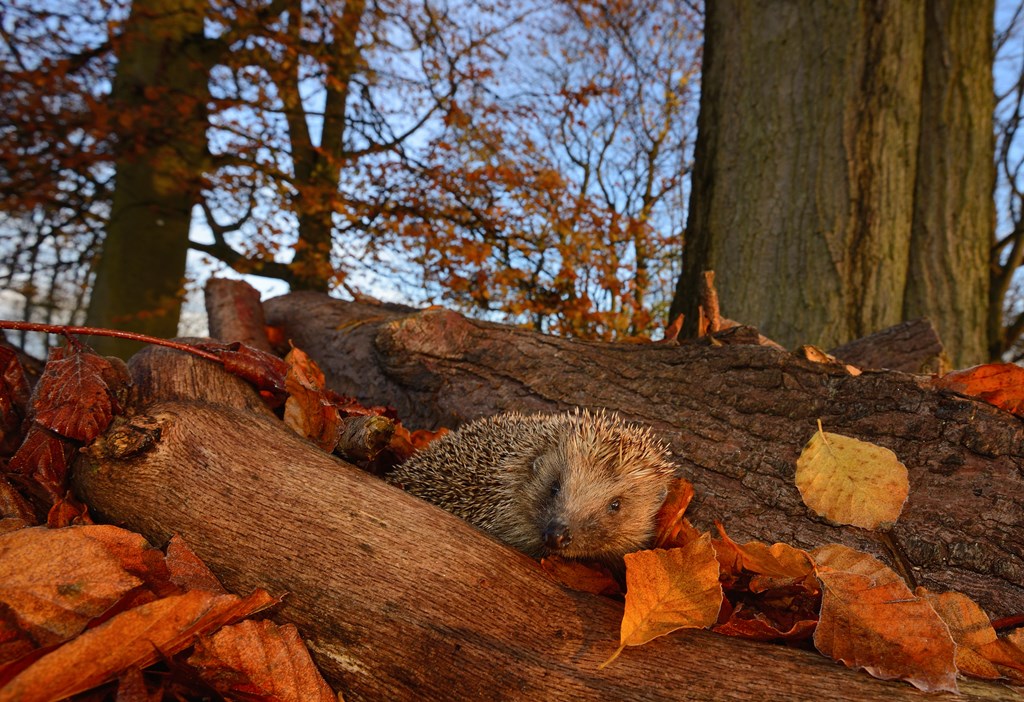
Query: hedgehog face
(595, 494)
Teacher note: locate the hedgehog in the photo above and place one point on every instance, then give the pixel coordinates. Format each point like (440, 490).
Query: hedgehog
(577, 484)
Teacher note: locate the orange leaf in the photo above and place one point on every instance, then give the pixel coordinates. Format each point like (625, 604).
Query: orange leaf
(259, 659)
(136, 638)
(999, 384)
(970, 628)
(55, 581)
(187, 570)
(669, 590)
(580, 576)
(871, 620)
(43, 456)
(671, 528)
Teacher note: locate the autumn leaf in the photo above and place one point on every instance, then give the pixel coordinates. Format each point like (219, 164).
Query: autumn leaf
(668, 590)
(848, 481)
(14, 396)
(134, 638)
(671, 528)
(265, 371)
(187, 571)
(259, 659)
(73, 398)
(999, 384)
(970, 628)
(580, 576)
(67, 511)
(43, 457)
(55, 581)
(871, 620)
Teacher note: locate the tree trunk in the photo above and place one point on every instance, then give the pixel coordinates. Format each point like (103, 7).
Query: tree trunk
(397, 599)
(954, 213)
(160, 96)
(736, 417)
(806, 199)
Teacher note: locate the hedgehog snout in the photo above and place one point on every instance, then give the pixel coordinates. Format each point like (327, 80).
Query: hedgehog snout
(556, 536)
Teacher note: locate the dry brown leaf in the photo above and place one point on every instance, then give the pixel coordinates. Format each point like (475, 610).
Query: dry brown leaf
(672, 529)
(759, 628)
(1007, 653)
(970, 628)
(999, 384)
(259, 659)
(55, 581)
(871, 620)
(67, 511)
(849, 481)
(43, 457)
(187, 571)
(584, 577)
(135, 638)
(72, 397)
(668, 590)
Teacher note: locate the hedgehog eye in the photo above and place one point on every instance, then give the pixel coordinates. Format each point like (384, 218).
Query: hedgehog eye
(614, 506)
(556, 487)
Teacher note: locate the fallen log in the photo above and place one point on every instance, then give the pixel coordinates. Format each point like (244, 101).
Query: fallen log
(399, 600)
(736, 417)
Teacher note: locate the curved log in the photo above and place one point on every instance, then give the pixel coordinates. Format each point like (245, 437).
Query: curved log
(736, 417)
(399, 600)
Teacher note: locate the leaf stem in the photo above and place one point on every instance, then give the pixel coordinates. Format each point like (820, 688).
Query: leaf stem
(96, 331)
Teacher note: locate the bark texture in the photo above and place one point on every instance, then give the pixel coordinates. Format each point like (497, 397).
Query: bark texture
(954, 212)
(399, 600)
(160, 93)
(804, 169)
(735, 416)
(843, 169)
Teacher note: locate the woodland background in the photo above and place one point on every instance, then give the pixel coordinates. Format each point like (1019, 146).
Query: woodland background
(571, 165)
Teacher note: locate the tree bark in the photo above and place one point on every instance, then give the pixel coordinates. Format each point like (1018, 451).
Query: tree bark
(954, 212)
(843, 169)
(736, 417)
(399, 600)
(160, 95)
(804, 166)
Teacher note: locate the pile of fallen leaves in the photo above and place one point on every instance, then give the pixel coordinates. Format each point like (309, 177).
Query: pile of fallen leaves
(88, 607)
(851, 606)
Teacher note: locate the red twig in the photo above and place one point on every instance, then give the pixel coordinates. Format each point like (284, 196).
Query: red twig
(94, 331)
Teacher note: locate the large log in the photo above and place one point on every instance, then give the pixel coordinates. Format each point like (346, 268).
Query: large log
(401, 601)
(735, 416)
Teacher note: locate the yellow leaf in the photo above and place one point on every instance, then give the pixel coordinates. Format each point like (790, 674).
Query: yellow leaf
(849, 481)
(670, 589)
(871, 620)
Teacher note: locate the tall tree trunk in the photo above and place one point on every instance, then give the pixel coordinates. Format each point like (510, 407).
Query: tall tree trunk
(954, 213)
(807, 161)
(318, 167)
(160, 96)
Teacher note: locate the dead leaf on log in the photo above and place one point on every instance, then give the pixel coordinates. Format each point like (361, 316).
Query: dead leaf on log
(970, 628)
(55, 582)
(43, 459)
(999, 384)
(672, 529)
(871, 620)
(260, 660)
(263, 370)
(72, 397)
(187, 571)
(668, 590)
(849, 481)
(135, 638)
(14, 397)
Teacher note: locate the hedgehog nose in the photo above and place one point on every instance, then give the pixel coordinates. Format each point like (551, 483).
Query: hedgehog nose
(556, 536)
